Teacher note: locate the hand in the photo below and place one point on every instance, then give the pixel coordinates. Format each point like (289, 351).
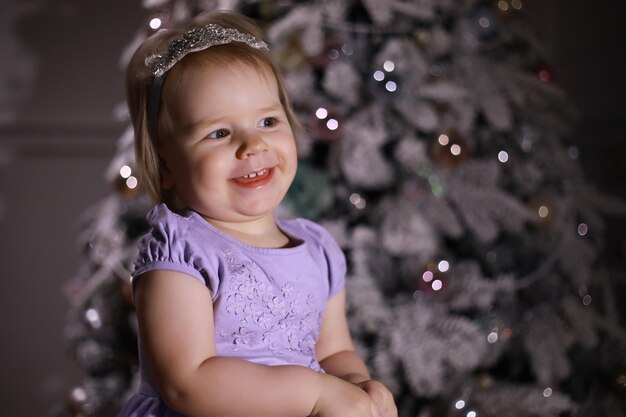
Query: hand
(339, 398)
(381, 396)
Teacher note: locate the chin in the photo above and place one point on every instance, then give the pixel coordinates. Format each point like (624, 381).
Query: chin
(258, 209)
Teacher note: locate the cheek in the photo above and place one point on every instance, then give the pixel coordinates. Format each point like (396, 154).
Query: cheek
(208, 169)
(292, 153)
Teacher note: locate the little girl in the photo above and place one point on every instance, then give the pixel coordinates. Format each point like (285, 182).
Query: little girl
(240, 314)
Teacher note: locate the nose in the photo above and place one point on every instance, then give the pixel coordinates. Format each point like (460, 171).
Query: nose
(251, 144)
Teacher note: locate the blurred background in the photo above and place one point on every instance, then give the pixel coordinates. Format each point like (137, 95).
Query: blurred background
(60, 96)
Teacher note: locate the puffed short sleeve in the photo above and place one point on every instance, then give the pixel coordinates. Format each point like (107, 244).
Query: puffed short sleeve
(333, 255)
(170, 244)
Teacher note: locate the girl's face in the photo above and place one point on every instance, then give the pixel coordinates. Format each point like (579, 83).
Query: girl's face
(232, 154)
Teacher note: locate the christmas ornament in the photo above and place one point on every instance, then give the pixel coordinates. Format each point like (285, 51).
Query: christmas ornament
(449, 149)
(422, 37)
(332, 51)
(544, 72)
(310, 193)
(292, 56)
(484, 381)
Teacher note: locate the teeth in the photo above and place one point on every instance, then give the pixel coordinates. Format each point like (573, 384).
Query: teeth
(255, 174)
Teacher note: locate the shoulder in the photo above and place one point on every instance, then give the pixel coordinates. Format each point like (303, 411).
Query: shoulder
(318, 238)
(160, 216)
(169, 228)
(174, 243)
(308, 230)
(323, 247)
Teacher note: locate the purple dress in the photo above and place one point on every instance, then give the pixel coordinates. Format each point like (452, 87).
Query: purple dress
(267, 303)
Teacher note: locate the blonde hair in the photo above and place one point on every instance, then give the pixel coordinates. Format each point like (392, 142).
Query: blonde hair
(139, 80)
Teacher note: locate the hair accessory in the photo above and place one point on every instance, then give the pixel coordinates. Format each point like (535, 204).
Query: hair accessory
(194, 40)
(198, 39)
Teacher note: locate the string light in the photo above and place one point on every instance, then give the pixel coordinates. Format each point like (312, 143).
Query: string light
(155, 23)
(427, 276)
(391, 86)
(587, 300)
(544, 75)
(503, 156)
(125, 171)
(131, 182)
(437, 285)
(436, 71)
(79, 394)
(389, 66)
(516, 4)
(435, 185)
(582, 229)
(379, 75)
(443, 140)
(347, 49)
(333, 54)
(357, 201)
(332, 124)
(459, 404)
(93, 317)
(547, 392)
(443, 266)
(492, 337)
(321, 113)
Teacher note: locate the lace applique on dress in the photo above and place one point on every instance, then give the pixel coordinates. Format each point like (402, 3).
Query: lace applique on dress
(283, 316)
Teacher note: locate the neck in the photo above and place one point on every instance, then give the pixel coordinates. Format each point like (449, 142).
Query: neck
(263, 232)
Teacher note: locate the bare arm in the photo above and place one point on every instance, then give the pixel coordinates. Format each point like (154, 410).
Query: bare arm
(336, 354)
(335, 350)
(175, 316)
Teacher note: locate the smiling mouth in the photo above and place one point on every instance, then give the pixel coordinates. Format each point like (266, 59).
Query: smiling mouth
(254, 179)
(260, 173)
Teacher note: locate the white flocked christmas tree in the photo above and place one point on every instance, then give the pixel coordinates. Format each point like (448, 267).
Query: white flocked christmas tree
(435, 150)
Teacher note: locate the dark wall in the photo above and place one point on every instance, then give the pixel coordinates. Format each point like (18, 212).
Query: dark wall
(55, 152)
(585, 39)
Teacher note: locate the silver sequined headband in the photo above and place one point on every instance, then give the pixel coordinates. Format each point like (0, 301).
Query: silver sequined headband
(198, 39)
(194, 40)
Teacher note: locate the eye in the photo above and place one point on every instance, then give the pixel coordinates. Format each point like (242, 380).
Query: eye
(218, 134)
(268, 122)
